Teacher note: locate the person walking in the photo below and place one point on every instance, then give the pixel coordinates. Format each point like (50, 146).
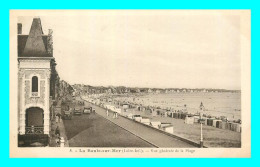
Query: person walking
(116, 115)
(107, 113)
(56, 118)
(57, 141)
(113, 115)
(57, 131)
(59, 115)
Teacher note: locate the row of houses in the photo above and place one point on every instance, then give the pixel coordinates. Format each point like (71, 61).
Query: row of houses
(86, 89)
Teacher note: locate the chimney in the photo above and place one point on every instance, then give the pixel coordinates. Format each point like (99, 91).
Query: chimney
(19, 28)
(50, 43)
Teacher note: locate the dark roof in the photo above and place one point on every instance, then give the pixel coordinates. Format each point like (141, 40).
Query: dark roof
(34, 44)
(21, 43)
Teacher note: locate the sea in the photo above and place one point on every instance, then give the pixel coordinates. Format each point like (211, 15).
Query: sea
(215, 104)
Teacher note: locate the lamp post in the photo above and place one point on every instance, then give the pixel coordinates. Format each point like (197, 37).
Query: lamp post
(201, 134)
(201, 122)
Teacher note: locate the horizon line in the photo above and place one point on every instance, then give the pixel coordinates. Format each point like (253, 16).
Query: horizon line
(152, 87)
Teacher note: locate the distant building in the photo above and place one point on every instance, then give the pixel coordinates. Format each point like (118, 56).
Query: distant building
(150, 90)
(109, 91)
(158, 91)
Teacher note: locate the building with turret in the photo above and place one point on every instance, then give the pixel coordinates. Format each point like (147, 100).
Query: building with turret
(37, 84)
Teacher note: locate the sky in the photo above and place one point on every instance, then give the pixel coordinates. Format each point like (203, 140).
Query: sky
(150, 48)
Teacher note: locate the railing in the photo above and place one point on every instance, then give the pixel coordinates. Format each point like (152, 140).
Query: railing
(33, 130)
(35, 94)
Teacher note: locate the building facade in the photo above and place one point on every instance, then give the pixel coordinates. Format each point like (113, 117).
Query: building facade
(37, 82)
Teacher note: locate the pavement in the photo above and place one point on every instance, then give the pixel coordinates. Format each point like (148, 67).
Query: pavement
(148, 134)
(54, 125)
(92, 130)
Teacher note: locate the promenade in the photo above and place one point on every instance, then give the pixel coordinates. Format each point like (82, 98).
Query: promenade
(148, 134)
(92, 130)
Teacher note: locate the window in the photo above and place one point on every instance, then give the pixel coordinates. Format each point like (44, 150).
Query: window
(34, 84)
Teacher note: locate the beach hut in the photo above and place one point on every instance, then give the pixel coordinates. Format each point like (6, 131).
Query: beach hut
(224, 125)
(154, 113)
(179, 115)
(220, 125)
(138, 119)
(133, 117)
(189, 120)
(166, 113)
(238, 129)
(170, 114)
(215, 122)
(205, 120)
(174, 115)
(164, 124)
(145, 121)
(196, 119)
(167, 128)
(229, 125)
(155, 124)
(232, 126)
(182, 116)
(157, 112)
(235, 127)
(125, 106)
(130, 116)
(210, 122)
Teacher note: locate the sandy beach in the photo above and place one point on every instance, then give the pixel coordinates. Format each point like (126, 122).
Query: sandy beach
(213, 137)
(216, 104)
